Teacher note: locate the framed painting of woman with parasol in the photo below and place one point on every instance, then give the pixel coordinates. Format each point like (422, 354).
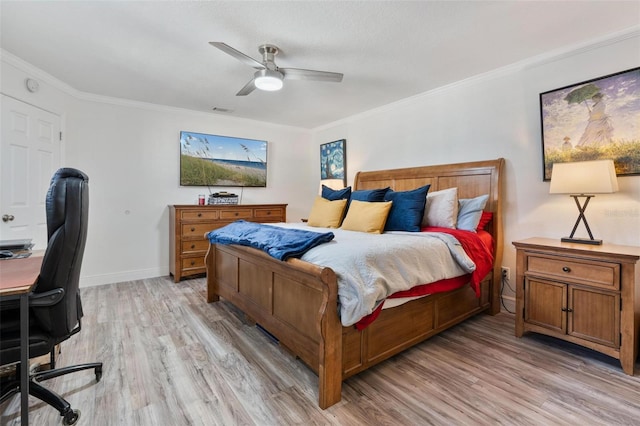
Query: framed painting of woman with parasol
(593, 120)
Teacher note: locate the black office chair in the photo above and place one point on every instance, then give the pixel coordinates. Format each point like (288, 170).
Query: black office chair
(54, 306)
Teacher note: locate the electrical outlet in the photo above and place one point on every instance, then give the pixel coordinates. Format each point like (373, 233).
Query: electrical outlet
(506, 273)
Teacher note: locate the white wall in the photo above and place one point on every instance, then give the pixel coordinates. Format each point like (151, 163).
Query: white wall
(497, 115)
(131, 153)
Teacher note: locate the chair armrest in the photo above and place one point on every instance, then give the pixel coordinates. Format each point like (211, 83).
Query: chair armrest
(48, 298)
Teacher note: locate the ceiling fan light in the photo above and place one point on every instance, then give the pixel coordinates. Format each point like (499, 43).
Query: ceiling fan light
(268, 80)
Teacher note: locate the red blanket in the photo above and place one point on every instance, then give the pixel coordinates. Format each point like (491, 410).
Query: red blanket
(476, 248)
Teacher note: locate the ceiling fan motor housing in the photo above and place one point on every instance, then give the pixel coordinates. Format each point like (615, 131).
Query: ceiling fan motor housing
(269, 52)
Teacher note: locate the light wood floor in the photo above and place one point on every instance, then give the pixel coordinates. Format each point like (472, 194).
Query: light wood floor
(172, 359)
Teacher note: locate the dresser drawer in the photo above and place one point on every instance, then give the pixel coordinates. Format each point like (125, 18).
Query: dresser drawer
(193, 262)
(200, 215)
(194, 246)
(268, 214)
(236, 214)
(191, 230)
(591, 272)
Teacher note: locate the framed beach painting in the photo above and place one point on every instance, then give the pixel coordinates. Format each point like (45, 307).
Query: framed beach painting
(333, 162)
(215, 160)
(593, 120)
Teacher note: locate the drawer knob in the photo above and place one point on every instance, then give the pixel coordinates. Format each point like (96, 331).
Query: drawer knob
(566, 269)
(268, 213)
(199, 214)
(193, 246)
(236, 213)
(193, 262)
(193, 229)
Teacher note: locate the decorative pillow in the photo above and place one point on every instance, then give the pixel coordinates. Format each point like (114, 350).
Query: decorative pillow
(485, 218)
(470, 211)
(407, 210)
(441, 209)
(372, 195)
(336, 194)
(365, 216)
(326, 214)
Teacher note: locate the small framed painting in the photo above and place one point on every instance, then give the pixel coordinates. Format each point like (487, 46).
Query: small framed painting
(593, 120)
(333, 161)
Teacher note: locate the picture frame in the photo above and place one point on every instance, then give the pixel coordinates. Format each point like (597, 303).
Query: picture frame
(595, 119)
(333, 160)
(215, 160)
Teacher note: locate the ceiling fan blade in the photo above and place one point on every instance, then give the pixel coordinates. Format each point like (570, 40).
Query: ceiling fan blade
(248, 88)
(248, 60)
(300, 74)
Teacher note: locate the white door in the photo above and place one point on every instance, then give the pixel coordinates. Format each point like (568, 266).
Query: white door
(29, 155)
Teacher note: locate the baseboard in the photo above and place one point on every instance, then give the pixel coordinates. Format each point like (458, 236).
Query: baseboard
(508, 304)
(118, 277)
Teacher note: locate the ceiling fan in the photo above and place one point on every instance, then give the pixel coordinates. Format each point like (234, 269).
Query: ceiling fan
(268, 76)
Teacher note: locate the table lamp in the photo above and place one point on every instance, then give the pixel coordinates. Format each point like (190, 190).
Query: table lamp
(583, 179)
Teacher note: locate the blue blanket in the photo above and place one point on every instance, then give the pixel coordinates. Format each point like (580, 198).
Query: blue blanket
(281, 243)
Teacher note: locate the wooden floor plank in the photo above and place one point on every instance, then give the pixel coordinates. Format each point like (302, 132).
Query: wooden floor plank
(171, 358)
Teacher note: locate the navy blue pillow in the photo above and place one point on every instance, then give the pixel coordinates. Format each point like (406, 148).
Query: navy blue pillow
(371, 195)
(407, 209)
(336, 194)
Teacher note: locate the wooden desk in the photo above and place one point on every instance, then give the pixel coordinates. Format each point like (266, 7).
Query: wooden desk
(17, 279)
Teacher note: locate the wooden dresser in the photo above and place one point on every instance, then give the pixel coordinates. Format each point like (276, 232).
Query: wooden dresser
(584, 294)
(188, 225)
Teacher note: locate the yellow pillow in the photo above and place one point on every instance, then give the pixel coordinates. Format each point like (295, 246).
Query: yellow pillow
(326, 214)
(366, 216)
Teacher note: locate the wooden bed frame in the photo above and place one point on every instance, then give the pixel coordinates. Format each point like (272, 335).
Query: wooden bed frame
(297, 301)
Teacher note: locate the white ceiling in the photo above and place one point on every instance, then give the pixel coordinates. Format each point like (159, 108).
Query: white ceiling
(158, 52)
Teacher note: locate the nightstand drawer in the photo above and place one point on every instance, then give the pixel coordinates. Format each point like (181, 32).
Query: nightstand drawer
(200, 215)
(600, 274)
(195, 246)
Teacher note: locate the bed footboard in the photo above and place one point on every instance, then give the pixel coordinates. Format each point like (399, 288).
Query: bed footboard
(294, 300)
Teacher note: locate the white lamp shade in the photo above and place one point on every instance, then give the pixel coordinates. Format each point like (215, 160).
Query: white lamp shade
(584, 177)
(331, 183)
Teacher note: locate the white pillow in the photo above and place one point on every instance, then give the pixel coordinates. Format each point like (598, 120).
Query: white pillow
(441, 208)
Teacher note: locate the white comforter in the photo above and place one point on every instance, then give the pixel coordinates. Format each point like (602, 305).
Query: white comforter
(370, 267)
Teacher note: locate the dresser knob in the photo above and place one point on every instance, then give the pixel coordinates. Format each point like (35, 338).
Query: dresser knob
(193, 246)
(199, 214)
(236, 213)
(193, 229)
(566, 269)
(193, 263)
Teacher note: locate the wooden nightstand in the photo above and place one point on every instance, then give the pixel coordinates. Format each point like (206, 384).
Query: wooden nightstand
(588, 295)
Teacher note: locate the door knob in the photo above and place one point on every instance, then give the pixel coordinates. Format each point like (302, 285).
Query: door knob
(7, 217)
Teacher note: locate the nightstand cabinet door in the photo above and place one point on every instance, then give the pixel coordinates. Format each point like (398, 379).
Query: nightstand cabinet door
(545, 304)
(594, 315)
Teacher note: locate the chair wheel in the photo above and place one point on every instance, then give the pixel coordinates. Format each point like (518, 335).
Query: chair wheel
(71, 418)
